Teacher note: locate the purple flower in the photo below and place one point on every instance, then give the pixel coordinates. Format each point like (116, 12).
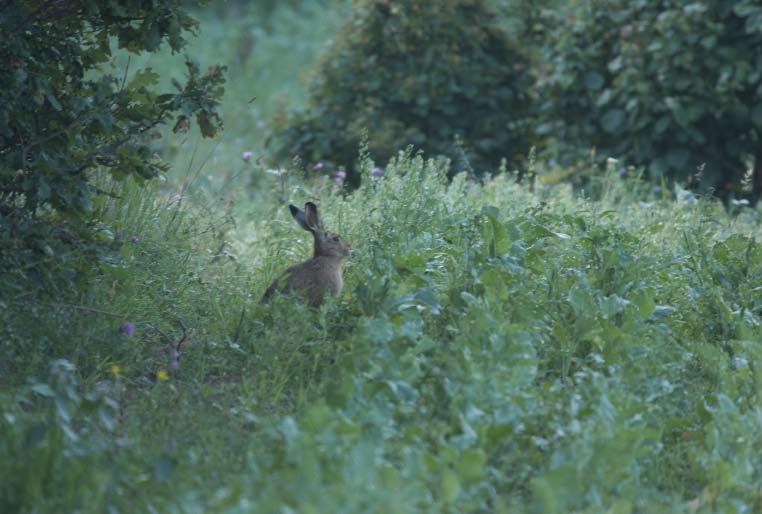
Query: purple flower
(318, 166)
(339, 176)
(377, 172)
(657, 189)
(134, 239)
(127, 328)
(247, 155)
(175, 360)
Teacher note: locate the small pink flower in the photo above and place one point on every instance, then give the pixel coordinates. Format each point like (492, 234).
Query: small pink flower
(377, 172)
(339, 176)
(134, 239)
(127, 328)
(247, 155)
(318, 166)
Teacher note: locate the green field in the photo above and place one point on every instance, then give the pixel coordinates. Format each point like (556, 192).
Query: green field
(500, 346)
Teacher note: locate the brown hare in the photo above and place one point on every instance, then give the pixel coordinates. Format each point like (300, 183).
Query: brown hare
(322, 273)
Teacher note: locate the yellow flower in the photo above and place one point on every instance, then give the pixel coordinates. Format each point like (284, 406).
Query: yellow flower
(162, 375)
(116, 369)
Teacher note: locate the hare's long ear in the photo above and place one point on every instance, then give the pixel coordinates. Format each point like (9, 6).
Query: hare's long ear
(312, 217)
(300, 217)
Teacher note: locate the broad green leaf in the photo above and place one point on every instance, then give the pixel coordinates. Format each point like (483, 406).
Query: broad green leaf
(450, 486)
(470, 467)
(612, 120)
(582, 300)
(143, 78)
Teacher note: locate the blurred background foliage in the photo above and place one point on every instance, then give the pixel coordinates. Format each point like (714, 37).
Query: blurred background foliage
(670, 85)
(444, 77)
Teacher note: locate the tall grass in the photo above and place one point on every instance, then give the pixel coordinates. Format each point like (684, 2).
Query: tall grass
(496, 348)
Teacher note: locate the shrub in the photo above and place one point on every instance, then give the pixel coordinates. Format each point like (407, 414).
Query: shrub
(65, 115)
(416, 73)
(668, 85)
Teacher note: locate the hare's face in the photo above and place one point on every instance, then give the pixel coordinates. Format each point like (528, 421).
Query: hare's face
(331, 245)
(327, 244)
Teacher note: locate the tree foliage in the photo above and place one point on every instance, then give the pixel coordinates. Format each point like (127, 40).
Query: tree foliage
(417, 73)
(65, 113)
(671, 85)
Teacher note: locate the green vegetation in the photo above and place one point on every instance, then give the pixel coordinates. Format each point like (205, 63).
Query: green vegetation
(427, 74)
(674, 86)
(501, 345)
(523, 352)
(65, 114)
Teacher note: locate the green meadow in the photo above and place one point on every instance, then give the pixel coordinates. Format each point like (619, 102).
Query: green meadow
(501, 345)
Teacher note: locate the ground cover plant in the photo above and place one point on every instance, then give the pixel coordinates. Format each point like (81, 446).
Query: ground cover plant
(497, 349)
(500, 345)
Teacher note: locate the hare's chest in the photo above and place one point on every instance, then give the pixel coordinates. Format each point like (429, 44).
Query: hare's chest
(332, 280)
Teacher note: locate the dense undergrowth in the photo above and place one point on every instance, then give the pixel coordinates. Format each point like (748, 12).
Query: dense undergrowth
(495, 350)
(499, 346)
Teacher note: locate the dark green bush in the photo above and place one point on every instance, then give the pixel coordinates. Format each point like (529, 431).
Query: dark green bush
(666, 84)
(65, 113)
(421, 74)
(68, 114)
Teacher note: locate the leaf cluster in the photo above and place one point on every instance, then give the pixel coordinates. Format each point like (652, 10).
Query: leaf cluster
(670, 85)
(65, 114)
(443, 76)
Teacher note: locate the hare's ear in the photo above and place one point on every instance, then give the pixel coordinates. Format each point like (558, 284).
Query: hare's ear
(312, 217)
(300, 217)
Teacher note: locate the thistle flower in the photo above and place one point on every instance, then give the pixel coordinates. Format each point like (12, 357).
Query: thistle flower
(318, 166)
(377, 172)
(134, 239)
(127, 328)
(339, 176)
(247, 155)
(175, 360)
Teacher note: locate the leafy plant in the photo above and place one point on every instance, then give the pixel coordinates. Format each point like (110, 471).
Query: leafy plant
(443, 77)
(64, 115)
(670, 85)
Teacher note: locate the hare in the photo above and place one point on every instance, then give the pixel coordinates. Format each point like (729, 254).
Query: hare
(322, 273)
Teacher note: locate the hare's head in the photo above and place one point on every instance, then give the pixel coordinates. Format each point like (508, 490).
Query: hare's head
(327, 244)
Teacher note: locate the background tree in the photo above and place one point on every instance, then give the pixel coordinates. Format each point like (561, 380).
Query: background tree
(417, 73)
(65, 114)
(671, 85)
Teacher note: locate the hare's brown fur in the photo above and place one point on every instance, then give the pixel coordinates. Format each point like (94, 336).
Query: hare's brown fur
(321, 274)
